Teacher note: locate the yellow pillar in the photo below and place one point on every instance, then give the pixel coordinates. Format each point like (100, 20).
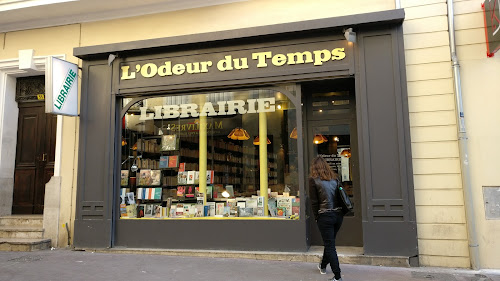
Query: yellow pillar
(263, 158)
(203, 158)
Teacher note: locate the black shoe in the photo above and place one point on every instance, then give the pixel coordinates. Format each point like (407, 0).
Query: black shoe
(321, 270)
(333, 279)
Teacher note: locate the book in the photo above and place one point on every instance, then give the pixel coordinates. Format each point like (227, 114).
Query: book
(157, 193)
(129, 199)
(217, 190)
(199, 211)
(148, 210)
(233, 208)
(200, 198)
(182, 167)
(260, 206)
(155, 177)
(281, 211)
(210, 177)
(140, 210)
(190, 177)
(209, 192)
(252, 203)
(145, 177)
(230, 190)
(168, 142)
(179, 210)
(211, 209)
(196, 177)
(286, 204)
(186, 212)
(182, 178)
(181, 190)
(131, 211)
(190, 190)
(157, 212)
(173, 161)
(140, 194)
(163, 162)
(245, 212)
(219, 208)
(124, 177)
(226, 211)
(271, 206)
(241, 204)
(296, 207)
(123, 210)
(123, 194)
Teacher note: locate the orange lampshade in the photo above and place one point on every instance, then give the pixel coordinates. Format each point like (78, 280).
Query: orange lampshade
(256, 141)
(238, 134)
(293, 134)
(319, 138)
(346, 153)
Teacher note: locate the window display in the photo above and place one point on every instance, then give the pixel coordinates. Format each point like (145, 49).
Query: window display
(217, 155)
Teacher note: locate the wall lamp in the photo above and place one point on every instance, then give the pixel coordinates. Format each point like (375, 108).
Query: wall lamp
(350, 35)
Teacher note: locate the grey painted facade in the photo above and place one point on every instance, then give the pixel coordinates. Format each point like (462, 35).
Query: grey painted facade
(376, 62)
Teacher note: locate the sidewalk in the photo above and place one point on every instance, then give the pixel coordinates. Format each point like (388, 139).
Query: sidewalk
(63, 264)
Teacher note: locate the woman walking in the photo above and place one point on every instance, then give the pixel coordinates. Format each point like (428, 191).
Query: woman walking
(323, 182)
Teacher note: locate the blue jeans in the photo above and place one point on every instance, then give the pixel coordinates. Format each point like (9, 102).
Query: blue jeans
(329, 224)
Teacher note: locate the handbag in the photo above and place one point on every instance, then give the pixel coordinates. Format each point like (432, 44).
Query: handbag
(345, 201)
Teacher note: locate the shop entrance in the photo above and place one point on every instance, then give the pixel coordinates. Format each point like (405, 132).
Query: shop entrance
(35, 151)
(331, 133)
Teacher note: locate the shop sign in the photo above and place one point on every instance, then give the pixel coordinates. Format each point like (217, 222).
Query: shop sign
(237, 64)
(491, 12)
(61, 87)
(169, 111)
(230, 63)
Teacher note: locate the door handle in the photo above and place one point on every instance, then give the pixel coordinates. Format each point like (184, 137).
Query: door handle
(44, 157)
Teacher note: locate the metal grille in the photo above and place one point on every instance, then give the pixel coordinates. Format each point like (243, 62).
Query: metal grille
(30, 89)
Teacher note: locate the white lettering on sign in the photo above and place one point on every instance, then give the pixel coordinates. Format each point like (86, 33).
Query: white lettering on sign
(191, 109)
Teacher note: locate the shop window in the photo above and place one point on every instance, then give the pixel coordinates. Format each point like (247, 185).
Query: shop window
(219, 155)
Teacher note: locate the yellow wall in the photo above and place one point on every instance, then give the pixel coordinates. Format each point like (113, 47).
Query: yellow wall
(481, 98)
(441, 223)
(223, 17)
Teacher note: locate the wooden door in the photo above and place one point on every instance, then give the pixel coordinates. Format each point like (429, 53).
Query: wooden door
(35, 155)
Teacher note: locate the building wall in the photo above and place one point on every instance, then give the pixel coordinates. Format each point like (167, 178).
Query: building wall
(481, 102)
(53, 41)
(441, 223)
(437, 176)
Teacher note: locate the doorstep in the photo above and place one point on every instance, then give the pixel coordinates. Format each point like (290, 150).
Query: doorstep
(347, 255)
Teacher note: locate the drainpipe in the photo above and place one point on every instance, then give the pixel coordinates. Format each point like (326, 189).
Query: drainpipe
(398, 4)
(462, 141)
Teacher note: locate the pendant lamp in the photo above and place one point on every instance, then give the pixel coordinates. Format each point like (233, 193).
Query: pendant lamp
(319, 139)
(346, 153)
(238, 134)
(293, 135)
(256, 141)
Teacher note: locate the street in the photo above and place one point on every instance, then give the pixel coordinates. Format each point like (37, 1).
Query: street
(61, 264)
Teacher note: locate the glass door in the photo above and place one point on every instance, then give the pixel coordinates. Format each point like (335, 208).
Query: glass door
(333, 140)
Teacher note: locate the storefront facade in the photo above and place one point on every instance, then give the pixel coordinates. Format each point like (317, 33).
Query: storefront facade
(445, 226)
(158, 110)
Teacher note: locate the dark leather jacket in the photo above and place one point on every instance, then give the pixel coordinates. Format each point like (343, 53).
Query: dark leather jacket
(322, 194)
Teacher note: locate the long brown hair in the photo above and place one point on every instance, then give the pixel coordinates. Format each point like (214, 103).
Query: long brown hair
(321, 169)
